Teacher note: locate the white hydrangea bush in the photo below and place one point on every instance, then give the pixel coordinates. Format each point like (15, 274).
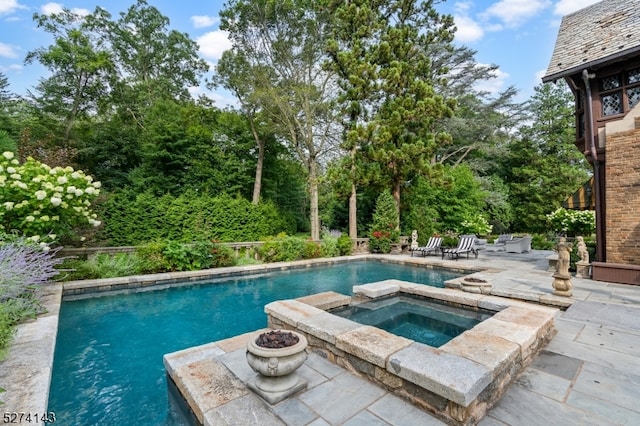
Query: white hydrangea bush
(44, 203)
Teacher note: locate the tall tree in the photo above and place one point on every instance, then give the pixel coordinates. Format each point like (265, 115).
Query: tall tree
(403, 136)
(543, 166)
(354, 37)
(154, 62)
(79, 65)
(8, 104)
(235, 72)
(286, 39)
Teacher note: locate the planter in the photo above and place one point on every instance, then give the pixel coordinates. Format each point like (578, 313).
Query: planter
(476, 285)
(276, 367)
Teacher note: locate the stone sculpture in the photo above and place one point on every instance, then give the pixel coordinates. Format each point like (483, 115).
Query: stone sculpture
(414, 239)
(582, 250)
(562, 279)
(583, 269)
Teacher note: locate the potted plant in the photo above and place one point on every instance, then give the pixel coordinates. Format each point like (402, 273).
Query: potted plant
(276, 355)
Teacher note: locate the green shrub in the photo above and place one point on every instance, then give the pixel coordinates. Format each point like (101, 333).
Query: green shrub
(312, 249)
(449, 241)
(44, 203)
(105, 266)
(573, 222)
(476, 224)
(152, 257)
(329, 246)
(244, 261)
(188, 257)
(282, 248)
(345, 245)
(541, 242)
(222, 256)
(133, 219)
(7, 329)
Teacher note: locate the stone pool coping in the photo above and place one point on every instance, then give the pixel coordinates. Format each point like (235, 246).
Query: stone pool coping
(156, 281)
(26, 371)
(478, 359)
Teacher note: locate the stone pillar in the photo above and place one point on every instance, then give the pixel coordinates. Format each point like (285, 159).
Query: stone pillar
(583, 270)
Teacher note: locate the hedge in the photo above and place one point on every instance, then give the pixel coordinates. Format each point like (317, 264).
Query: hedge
(135, 220)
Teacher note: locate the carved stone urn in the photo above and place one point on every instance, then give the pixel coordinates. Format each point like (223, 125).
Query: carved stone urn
(275, 356)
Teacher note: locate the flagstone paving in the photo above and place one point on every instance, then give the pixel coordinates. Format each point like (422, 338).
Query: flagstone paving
(589, 373)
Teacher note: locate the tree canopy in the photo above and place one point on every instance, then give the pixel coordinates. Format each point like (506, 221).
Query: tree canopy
(338, 102)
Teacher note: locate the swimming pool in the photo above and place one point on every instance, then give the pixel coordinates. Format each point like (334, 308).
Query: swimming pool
(108, 361)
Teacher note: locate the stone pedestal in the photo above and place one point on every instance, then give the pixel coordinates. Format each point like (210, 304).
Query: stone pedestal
(583, 269)
(562, 285)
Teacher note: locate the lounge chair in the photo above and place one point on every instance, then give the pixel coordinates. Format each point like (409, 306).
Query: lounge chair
(519, 245)
(499, 244)
(433, 245)
(465, 245)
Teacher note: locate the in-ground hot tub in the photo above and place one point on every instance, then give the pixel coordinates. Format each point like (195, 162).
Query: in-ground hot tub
(457, 382)
(427, 321)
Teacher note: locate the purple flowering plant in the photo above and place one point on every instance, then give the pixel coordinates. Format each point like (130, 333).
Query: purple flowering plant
(24, 269)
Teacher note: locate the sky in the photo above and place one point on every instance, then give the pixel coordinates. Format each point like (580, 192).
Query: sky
(516, 35)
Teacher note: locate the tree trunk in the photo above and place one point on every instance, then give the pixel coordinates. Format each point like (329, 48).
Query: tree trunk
(257, 184)
(313, 199)
(353, 201)
(396, 197)
(353, 213)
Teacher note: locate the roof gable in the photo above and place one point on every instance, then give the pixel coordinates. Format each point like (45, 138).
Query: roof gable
(597, 34)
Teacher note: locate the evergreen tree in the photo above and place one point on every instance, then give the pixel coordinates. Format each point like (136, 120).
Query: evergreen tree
(384, 229)
(543, 166)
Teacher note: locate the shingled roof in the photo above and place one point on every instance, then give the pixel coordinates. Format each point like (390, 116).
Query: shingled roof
(600, 33)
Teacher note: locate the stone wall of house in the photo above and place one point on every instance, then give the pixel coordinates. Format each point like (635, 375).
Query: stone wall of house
(623, 190)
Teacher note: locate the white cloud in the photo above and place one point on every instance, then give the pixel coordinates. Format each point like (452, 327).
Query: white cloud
(7, 51)
(565, 7)
(11, 68)
(9, 6)
(202, 21)
(213, 43)
(51, 8)
(468, 29)
(80, 12)
(514, 12)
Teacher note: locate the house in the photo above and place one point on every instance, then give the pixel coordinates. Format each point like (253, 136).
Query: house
(597, 52)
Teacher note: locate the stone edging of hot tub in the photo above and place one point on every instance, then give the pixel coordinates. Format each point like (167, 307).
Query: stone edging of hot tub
(457, 382)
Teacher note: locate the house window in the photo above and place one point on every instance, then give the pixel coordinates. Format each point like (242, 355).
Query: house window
(611, 82)
(633, 91)
(634, 96)
(620, 92)
(612, 104)
(611, 95)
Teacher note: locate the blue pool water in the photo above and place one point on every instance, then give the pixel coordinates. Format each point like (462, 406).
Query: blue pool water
(429, 322)
(108, 366)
